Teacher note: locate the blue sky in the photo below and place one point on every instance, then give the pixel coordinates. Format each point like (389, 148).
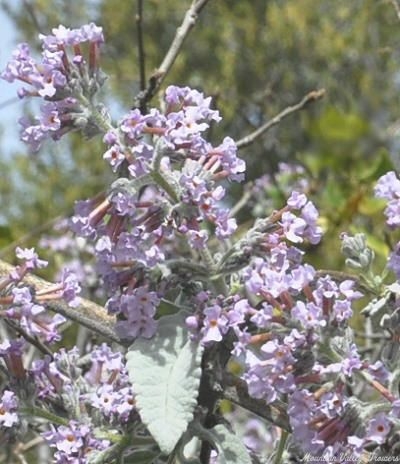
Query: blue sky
(9, 114)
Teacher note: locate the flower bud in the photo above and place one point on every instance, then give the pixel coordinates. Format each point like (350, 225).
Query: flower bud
(357, 252)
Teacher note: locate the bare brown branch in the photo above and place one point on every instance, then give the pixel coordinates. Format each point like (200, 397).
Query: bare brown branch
(141, 53)
(157, 78)
(309, 98)
(32, 340)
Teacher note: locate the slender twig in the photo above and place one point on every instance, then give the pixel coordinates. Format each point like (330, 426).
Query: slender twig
(385, 393)
(24, 447)
(89, 314)
(141, 52)
(8, 102)
(21, 458)
(396, 6)
(371, 336)
(32, 340)
(309, 98)
(243, 201)
(157, 78)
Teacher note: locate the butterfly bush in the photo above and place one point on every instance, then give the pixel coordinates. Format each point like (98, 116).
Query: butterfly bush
(164, 239)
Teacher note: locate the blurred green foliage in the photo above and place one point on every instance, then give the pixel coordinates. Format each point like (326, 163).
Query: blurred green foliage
(255, 57)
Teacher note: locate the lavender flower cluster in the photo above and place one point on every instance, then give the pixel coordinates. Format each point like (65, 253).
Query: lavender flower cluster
(26, 308)
(66, 84)
(91, 391)
(172, 188)
(161, 235)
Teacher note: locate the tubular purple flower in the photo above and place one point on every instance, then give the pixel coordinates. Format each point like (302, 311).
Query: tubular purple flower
(11, 351)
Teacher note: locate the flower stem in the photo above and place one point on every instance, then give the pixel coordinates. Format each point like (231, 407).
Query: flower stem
(38, 412)
(281, 447)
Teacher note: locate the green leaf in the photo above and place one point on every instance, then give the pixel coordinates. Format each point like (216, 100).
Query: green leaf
(167, 308)
(335, 125)
(165, 372)
(377, 166)
(231, 450)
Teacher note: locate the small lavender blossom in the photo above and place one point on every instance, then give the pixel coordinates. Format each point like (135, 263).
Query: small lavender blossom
(73, 443)
(103, 398)
(342, 310)
(204, 204)
(30, 257)
(350, 362)
(313, 232)
(324, 426)
(112, 402)
(259, 276)
(346, 289)
(293, 227)
(55, 376)
(133, 124)
(139, 309)
(302, 407)
(227, 153)
(329, 296)
(12, 347)
(394, 261)
(388, 188)
(33, 317)
(241, 344)
(106, 364)
(215, 324)
(303, 227)
(296, 200)
(62, 35)
(70, 288)
(8, 407)
(196, 238)
(309, 315)
(262, 317)
(226, 225)
(185, 98)
(395, 412)
(378, 428)
(301, 276)
(240, 309)
(331, 404)
(269, 374)
(378, 371)
(115, 156)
